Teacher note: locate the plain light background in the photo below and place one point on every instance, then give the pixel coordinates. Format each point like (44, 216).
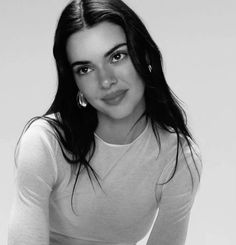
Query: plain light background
(197, 40)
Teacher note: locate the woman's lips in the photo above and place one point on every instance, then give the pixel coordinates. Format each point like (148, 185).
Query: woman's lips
(114, 98)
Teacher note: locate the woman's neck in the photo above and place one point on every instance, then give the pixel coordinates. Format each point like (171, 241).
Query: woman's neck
(120, 131)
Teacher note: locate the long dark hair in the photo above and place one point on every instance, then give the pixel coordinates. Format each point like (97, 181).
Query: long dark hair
(74, 127)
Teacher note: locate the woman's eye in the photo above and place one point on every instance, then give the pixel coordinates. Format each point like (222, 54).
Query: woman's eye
(117, 57)
(83, 70)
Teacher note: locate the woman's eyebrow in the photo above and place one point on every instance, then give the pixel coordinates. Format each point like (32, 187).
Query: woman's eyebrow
(76, 63)
(114, 48)
(109, 52)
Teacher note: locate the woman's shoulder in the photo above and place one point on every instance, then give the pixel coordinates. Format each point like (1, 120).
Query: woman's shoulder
(180, 147)
(171, 141)
(40, 125)
(168, 141)
(36, 150)
(42, 121)
(39, 132)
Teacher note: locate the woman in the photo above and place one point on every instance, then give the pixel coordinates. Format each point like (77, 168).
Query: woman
(113, 148)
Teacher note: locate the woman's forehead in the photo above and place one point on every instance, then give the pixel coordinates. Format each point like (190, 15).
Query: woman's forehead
(94, 41)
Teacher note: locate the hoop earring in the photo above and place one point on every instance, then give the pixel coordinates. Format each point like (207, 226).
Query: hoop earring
(80, 100)
(150, 68)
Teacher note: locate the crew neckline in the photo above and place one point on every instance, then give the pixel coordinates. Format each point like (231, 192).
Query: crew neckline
(124, 145)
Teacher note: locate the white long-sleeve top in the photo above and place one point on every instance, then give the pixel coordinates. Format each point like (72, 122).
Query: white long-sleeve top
(122, 212)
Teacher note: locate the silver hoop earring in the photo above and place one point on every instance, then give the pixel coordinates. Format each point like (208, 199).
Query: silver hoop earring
(150, 68)
(81, 101)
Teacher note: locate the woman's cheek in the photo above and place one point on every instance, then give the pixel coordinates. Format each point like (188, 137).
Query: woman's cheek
(125, 71)
(89, 88)
(83, 84)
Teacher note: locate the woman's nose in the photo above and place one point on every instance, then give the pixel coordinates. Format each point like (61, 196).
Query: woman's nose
(107, 78)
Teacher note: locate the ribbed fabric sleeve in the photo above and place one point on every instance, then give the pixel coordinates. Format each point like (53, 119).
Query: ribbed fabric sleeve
(36, 174)
(176, 198)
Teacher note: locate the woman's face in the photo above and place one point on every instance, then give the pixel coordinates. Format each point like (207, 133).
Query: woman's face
(104, 72)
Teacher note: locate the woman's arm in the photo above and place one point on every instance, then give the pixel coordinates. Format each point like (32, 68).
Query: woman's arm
(35, 177)
(177, 197)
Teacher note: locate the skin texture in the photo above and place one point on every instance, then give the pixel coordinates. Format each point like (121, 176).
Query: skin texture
(102, 69)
